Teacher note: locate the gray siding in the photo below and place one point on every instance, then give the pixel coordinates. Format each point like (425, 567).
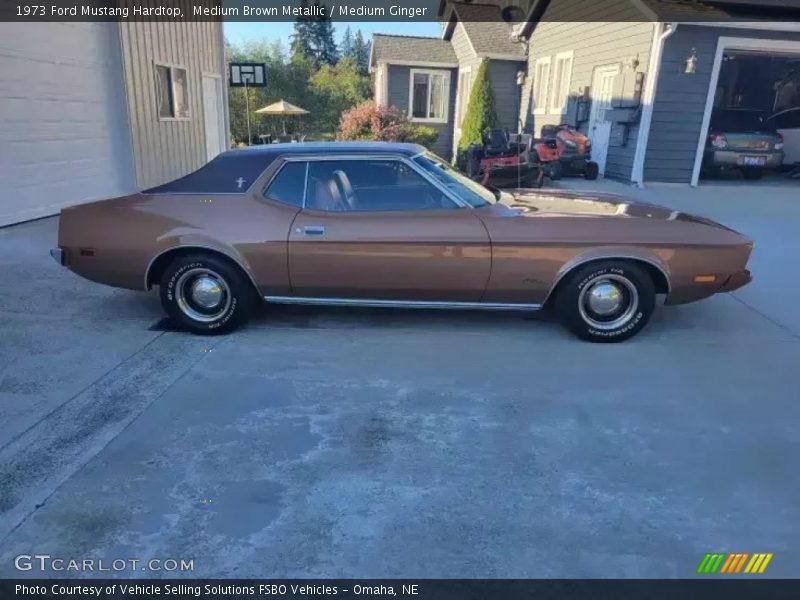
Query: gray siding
(399, 81)
(462, 47)
(503, 79)
(165, 150)
(681, 99)
(594, 44)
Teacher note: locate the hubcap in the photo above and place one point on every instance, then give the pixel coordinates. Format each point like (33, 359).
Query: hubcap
(608, 301)
(605, 298)
(207, 292)
(202, 295)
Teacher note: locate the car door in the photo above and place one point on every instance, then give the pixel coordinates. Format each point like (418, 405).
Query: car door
(375, 228)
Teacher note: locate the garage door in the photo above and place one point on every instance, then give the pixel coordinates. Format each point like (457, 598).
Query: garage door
(63, 133)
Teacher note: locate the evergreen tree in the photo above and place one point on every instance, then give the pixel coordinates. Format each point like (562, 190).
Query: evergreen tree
(347, 43)
(481, 112)
(313, 38)
(360, 52)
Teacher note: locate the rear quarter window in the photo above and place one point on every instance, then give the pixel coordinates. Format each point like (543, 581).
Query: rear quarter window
(288, 186)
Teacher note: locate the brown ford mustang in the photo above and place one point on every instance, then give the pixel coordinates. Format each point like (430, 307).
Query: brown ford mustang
(372, 224)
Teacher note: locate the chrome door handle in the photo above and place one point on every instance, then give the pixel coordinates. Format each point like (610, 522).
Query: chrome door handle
(314, 229)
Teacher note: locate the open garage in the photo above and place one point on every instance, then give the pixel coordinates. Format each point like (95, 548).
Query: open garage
(754, 126)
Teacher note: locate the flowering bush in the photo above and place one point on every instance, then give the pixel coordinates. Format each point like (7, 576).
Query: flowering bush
(367, 121)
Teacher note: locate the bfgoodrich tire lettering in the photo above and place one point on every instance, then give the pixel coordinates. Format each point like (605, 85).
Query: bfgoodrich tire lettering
(205, 294)
(606, 301)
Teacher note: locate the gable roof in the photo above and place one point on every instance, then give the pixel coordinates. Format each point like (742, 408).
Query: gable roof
(488, 33)
(410, 49)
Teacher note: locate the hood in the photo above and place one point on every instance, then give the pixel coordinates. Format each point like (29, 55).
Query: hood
(566, 203)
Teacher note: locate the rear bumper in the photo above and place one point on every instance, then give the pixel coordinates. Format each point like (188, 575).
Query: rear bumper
(58, 256)
(736, 158)
(737, 280)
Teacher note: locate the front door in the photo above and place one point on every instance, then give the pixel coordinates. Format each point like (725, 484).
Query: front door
(599, 125)
(212, 116)
(374, 228)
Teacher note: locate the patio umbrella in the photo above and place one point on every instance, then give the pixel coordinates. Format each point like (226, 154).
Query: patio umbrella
(282, 108)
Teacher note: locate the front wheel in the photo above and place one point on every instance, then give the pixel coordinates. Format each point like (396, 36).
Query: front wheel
(606, 301)
(206, 294)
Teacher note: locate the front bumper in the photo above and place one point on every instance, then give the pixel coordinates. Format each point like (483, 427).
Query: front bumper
(736, 158)
(737, 280)
(58, 256)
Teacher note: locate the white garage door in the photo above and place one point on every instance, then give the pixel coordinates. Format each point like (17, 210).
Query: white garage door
(63, 119)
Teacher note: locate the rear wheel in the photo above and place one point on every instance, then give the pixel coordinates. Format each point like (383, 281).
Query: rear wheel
(752, 174)
(606, 301)
(206, 294)
(592, 170)
(555, 170)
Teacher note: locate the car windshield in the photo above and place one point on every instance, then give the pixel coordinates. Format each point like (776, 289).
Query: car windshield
(461, 185)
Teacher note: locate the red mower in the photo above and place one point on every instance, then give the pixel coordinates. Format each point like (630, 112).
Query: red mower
(503, 161)
(563, 150)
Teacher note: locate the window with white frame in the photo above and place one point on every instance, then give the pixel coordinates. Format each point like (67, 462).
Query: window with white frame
(541, 82)
(172, 94)
(562, 78)
(429, 92)
(464, 90)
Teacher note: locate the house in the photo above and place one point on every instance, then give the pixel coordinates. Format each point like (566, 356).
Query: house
(99, 109)
(430, 78)
(642, 78)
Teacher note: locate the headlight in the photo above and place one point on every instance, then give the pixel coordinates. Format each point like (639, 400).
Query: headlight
(570, 144)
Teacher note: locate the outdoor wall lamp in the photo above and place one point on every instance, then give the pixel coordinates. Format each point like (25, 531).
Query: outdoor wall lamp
(690, 66)
(520, 78)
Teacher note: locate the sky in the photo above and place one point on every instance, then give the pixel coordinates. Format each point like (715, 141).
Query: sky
(238, 32)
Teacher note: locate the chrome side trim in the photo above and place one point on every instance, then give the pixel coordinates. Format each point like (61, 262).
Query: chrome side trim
(572, 267)
(368, 303)
(198, 247)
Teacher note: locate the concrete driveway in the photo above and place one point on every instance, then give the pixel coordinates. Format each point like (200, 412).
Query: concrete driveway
(328, 443)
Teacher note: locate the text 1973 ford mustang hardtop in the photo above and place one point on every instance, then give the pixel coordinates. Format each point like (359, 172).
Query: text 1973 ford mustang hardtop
(375, 224)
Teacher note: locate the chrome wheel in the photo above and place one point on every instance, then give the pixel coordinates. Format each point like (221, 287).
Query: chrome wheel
(607, 302)
(202, 295)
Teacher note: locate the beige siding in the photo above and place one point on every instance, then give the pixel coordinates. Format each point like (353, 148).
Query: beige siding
(594, 44)
(166, 149)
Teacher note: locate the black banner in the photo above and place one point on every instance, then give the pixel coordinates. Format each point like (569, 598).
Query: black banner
(390, 589)
(399, 10)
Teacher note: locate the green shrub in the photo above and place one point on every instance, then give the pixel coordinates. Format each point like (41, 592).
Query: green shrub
(419, 134)
(481, 112)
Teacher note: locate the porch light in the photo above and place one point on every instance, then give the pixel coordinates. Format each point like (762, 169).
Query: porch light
(520, 78)
(690, 66)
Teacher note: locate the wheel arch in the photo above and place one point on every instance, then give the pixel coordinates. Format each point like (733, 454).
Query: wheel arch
(657, 271)
(159, 262)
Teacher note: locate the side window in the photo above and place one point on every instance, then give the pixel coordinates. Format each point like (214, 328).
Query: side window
(370, 185)
(288, 185)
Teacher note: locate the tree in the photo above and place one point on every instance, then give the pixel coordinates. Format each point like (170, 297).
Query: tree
(481, 112)
(313, 37)
(360, 52)
(347, 43)
(342, 86)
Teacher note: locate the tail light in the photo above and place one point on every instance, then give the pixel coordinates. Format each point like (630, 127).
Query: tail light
(779, 143)
(718, 141)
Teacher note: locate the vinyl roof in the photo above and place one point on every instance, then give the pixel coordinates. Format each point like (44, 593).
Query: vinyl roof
(327, 147)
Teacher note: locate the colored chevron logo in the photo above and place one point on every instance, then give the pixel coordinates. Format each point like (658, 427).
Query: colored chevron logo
(734, 563)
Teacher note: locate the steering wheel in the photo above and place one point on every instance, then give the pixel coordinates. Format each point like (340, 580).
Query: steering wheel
(348, 194)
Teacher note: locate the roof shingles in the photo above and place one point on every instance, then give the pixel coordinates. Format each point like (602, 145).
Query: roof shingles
(408, 48)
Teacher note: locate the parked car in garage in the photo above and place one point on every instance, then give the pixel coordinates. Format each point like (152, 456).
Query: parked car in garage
(392, 225)
(742, 139)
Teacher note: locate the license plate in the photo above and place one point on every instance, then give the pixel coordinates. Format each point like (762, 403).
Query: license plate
(753, 161)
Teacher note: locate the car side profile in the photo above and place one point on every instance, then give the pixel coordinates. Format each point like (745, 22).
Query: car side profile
(392, 225)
